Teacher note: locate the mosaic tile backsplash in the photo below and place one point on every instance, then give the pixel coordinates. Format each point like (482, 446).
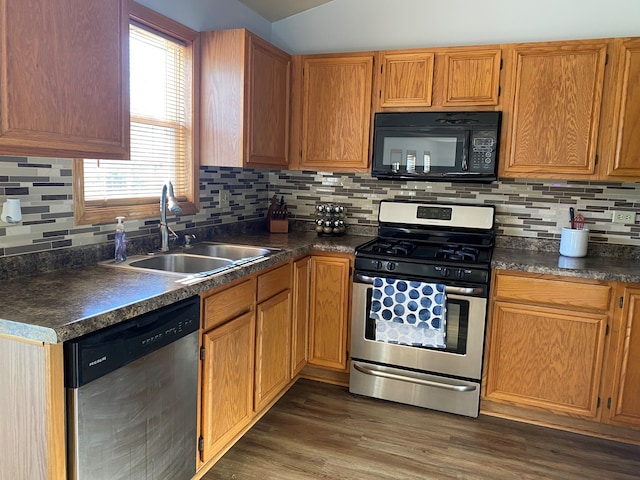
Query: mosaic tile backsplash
(524, 208)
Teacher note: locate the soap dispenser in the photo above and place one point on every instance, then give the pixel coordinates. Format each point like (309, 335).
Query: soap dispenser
(121, 241)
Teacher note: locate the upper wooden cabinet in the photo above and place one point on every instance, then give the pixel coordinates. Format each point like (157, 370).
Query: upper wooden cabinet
(406, 79)
(332, 99)
(245, 101)
(64, 70)
(621, 143)
(440, 78)
(552, 111)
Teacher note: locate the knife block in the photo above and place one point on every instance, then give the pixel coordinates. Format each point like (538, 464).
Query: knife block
(277, 225)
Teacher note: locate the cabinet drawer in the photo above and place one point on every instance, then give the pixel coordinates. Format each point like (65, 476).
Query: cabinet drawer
(546, 291)
(275, 281)
(228, 304)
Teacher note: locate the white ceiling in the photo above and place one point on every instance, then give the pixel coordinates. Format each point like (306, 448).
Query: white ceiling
(274, 10)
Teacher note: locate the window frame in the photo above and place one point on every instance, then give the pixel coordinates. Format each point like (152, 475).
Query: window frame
(142, 208)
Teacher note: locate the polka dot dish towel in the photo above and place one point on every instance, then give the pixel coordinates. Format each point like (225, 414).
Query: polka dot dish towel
(409, 313)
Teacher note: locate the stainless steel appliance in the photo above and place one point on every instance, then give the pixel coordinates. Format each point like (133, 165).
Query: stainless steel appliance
(446, 246)
(450, 146)
(132, 397)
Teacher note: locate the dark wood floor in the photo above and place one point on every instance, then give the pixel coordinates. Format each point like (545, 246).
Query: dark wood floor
(322, 431)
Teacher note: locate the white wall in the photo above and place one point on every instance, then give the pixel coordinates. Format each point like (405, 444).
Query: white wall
(202, 15)
(352, 25)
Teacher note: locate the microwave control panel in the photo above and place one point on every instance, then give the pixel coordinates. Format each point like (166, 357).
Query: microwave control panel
(484, 145)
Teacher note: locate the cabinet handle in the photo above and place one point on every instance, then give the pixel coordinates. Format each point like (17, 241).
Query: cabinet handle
(419, 381)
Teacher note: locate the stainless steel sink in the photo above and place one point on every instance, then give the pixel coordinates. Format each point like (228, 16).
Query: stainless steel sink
(181, 263)
(225, 250)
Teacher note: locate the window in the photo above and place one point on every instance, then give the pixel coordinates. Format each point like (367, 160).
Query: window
(162, 90)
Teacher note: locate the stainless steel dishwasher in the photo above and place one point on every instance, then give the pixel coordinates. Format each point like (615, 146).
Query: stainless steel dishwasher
(132, 397)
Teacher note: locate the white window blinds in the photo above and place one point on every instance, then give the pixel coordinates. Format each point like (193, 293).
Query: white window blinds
(159, 137)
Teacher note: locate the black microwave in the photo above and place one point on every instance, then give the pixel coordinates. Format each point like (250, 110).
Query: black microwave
(447, 146)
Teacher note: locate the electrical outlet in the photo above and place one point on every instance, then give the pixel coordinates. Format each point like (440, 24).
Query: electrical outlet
(624, 216)
(224, 199)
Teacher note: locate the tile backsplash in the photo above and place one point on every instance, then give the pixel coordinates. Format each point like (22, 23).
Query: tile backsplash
(524, 208)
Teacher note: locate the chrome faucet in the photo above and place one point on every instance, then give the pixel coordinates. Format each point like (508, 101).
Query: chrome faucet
(174, 207)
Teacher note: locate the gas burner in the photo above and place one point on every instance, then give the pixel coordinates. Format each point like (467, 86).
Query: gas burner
(457, 252)
(391, 247)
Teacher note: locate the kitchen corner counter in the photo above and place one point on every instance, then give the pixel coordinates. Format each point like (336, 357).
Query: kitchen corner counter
(58, 306)
(614, 269)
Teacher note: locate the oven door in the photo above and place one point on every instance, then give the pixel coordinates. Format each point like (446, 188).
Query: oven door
(462, 357)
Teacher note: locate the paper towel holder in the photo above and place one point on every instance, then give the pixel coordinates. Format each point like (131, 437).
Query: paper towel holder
(11, 212)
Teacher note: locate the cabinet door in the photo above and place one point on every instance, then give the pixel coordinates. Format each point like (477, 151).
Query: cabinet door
(227, 382)
(546, 357)
(273, 348)
(267, 105)
(336, 112)
(624, 406)
(626, 156)
(554, 109)
(330, 286)
(406, 79)
(471, 77)
(64, 78)
(300, 332)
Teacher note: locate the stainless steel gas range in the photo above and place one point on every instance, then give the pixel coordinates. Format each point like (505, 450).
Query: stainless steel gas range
(420, 303)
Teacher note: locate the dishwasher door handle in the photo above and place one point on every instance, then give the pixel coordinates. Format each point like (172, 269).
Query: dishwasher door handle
(419, 381)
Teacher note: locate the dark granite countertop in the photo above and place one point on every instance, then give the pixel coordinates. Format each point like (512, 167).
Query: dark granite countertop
(58, 306)
(608, 268)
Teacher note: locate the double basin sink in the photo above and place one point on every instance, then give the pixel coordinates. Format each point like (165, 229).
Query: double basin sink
(198, 261)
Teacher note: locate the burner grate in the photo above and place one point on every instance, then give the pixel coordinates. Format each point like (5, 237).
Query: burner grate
(457, 252)
(390, 247)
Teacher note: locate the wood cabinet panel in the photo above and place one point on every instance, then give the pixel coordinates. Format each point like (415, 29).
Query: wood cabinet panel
(245, 95)
(556, 292)
(624, 156)
(300, 311)
(624, 404)
(329, 312)
(553, 108)
(471, 77)
(227, 379)
(274, 281)
(64, 78)
(336, 111)
(407, 79)
(547, 358)
(229, 303)
(273, 348)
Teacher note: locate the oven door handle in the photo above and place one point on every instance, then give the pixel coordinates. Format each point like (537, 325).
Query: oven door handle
(419, 381)
(449, 289)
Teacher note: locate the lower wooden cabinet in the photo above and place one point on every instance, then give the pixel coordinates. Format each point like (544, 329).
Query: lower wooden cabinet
(273, 348)
(564, 352)
(623, 405)
(329, 311)
(300, 322)
(227, 382)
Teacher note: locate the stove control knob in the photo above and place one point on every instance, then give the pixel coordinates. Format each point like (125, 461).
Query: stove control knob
(377, 264)
(391, 266)
(444, 271)
(460, 273)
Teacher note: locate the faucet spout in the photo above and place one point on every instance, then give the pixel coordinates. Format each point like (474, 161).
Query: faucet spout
(174, 207)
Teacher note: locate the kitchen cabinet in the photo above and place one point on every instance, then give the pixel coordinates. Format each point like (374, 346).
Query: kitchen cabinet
(546, 342)
(406, 79)
(552, 108)
(300, 323)
(623, 404)
(32, 430)
(245, 101)
(273, 335)
(332, 110)
(64, 78)
(228, 346)
(621, 144)
(329, 311)
(440, 78)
